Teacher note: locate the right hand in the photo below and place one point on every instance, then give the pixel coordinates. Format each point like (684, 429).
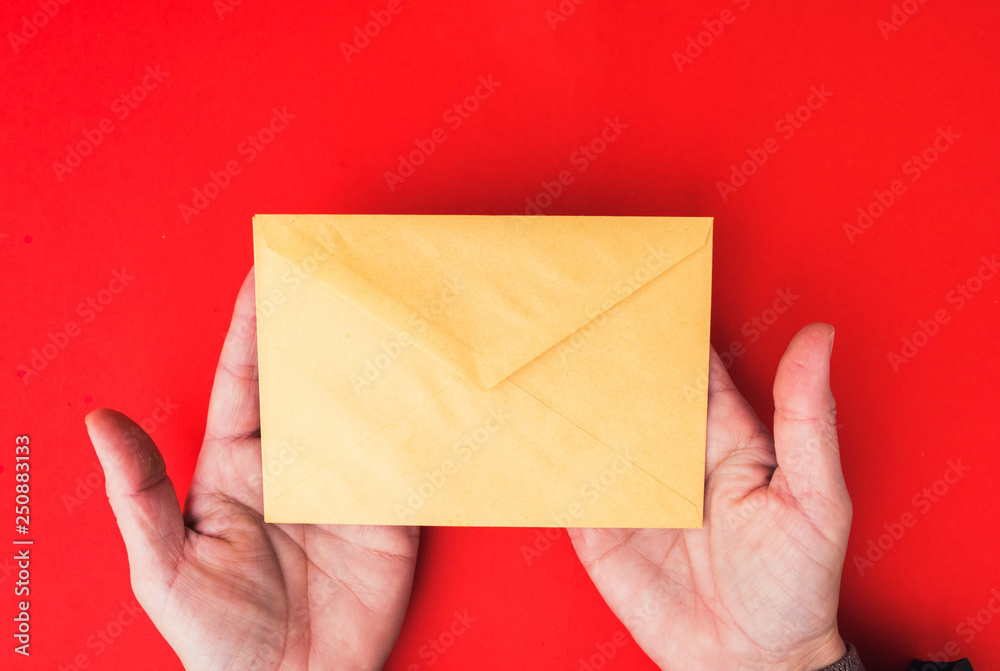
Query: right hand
(757, 587)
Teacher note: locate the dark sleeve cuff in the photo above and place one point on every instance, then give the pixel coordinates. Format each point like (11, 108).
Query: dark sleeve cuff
(849, 662)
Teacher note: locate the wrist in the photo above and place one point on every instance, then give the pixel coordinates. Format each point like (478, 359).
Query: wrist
(818, 654)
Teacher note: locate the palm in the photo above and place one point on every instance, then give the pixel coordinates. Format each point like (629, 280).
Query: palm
(226, 589)
(757, 586)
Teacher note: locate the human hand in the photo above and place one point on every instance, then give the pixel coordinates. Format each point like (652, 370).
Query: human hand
(226, 589)
(757, 587)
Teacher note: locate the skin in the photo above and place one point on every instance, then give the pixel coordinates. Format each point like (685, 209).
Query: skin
(757, 587)
(226, 589)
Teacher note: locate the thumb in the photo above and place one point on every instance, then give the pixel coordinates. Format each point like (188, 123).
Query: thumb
(141, 496)
(805, 418)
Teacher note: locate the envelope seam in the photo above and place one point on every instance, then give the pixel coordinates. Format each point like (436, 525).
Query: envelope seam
(598, 315)
(640, 468)
(467, 364)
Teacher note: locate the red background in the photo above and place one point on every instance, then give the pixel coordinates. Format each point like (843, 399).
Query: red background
(158, 340)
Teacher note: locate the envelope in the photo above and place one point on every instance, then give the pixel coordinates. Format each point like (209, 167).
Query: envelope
(483, 371)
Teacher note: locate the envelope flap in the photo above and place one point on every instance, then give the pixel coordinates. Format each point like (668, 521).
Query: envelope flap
(483, 295)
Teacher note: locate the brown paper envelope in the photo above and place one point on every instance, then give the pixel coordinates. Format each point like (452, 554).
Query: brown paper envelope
(486, 371)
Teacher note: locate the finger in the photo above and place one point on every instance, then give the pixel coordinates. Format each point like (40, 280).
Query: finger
(805, 416)
(234, 409)
(594, 545)
(141, 495)
(736, 436)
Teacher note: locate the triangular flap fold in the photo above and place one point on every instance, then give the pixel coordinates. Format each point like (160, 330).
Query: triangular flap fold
(484, 295)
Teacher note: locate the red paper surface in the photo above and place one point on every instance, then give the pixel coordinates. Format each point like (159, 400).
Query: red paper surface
(690, 92)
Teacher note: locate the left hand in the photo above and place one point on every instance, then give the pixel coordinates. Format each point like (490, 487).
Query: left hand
(227, 590)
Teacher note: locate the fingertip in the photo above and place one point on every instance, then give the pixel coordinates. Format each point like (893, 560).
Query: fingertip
(247, 288)
(809, 351)
(718, 374)
(802, 383)
(105, 423)
(126, 452)
(714, 359)
(590, 542)
(819, 334)
(583, 541)
(581, 537)
(97, 421)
